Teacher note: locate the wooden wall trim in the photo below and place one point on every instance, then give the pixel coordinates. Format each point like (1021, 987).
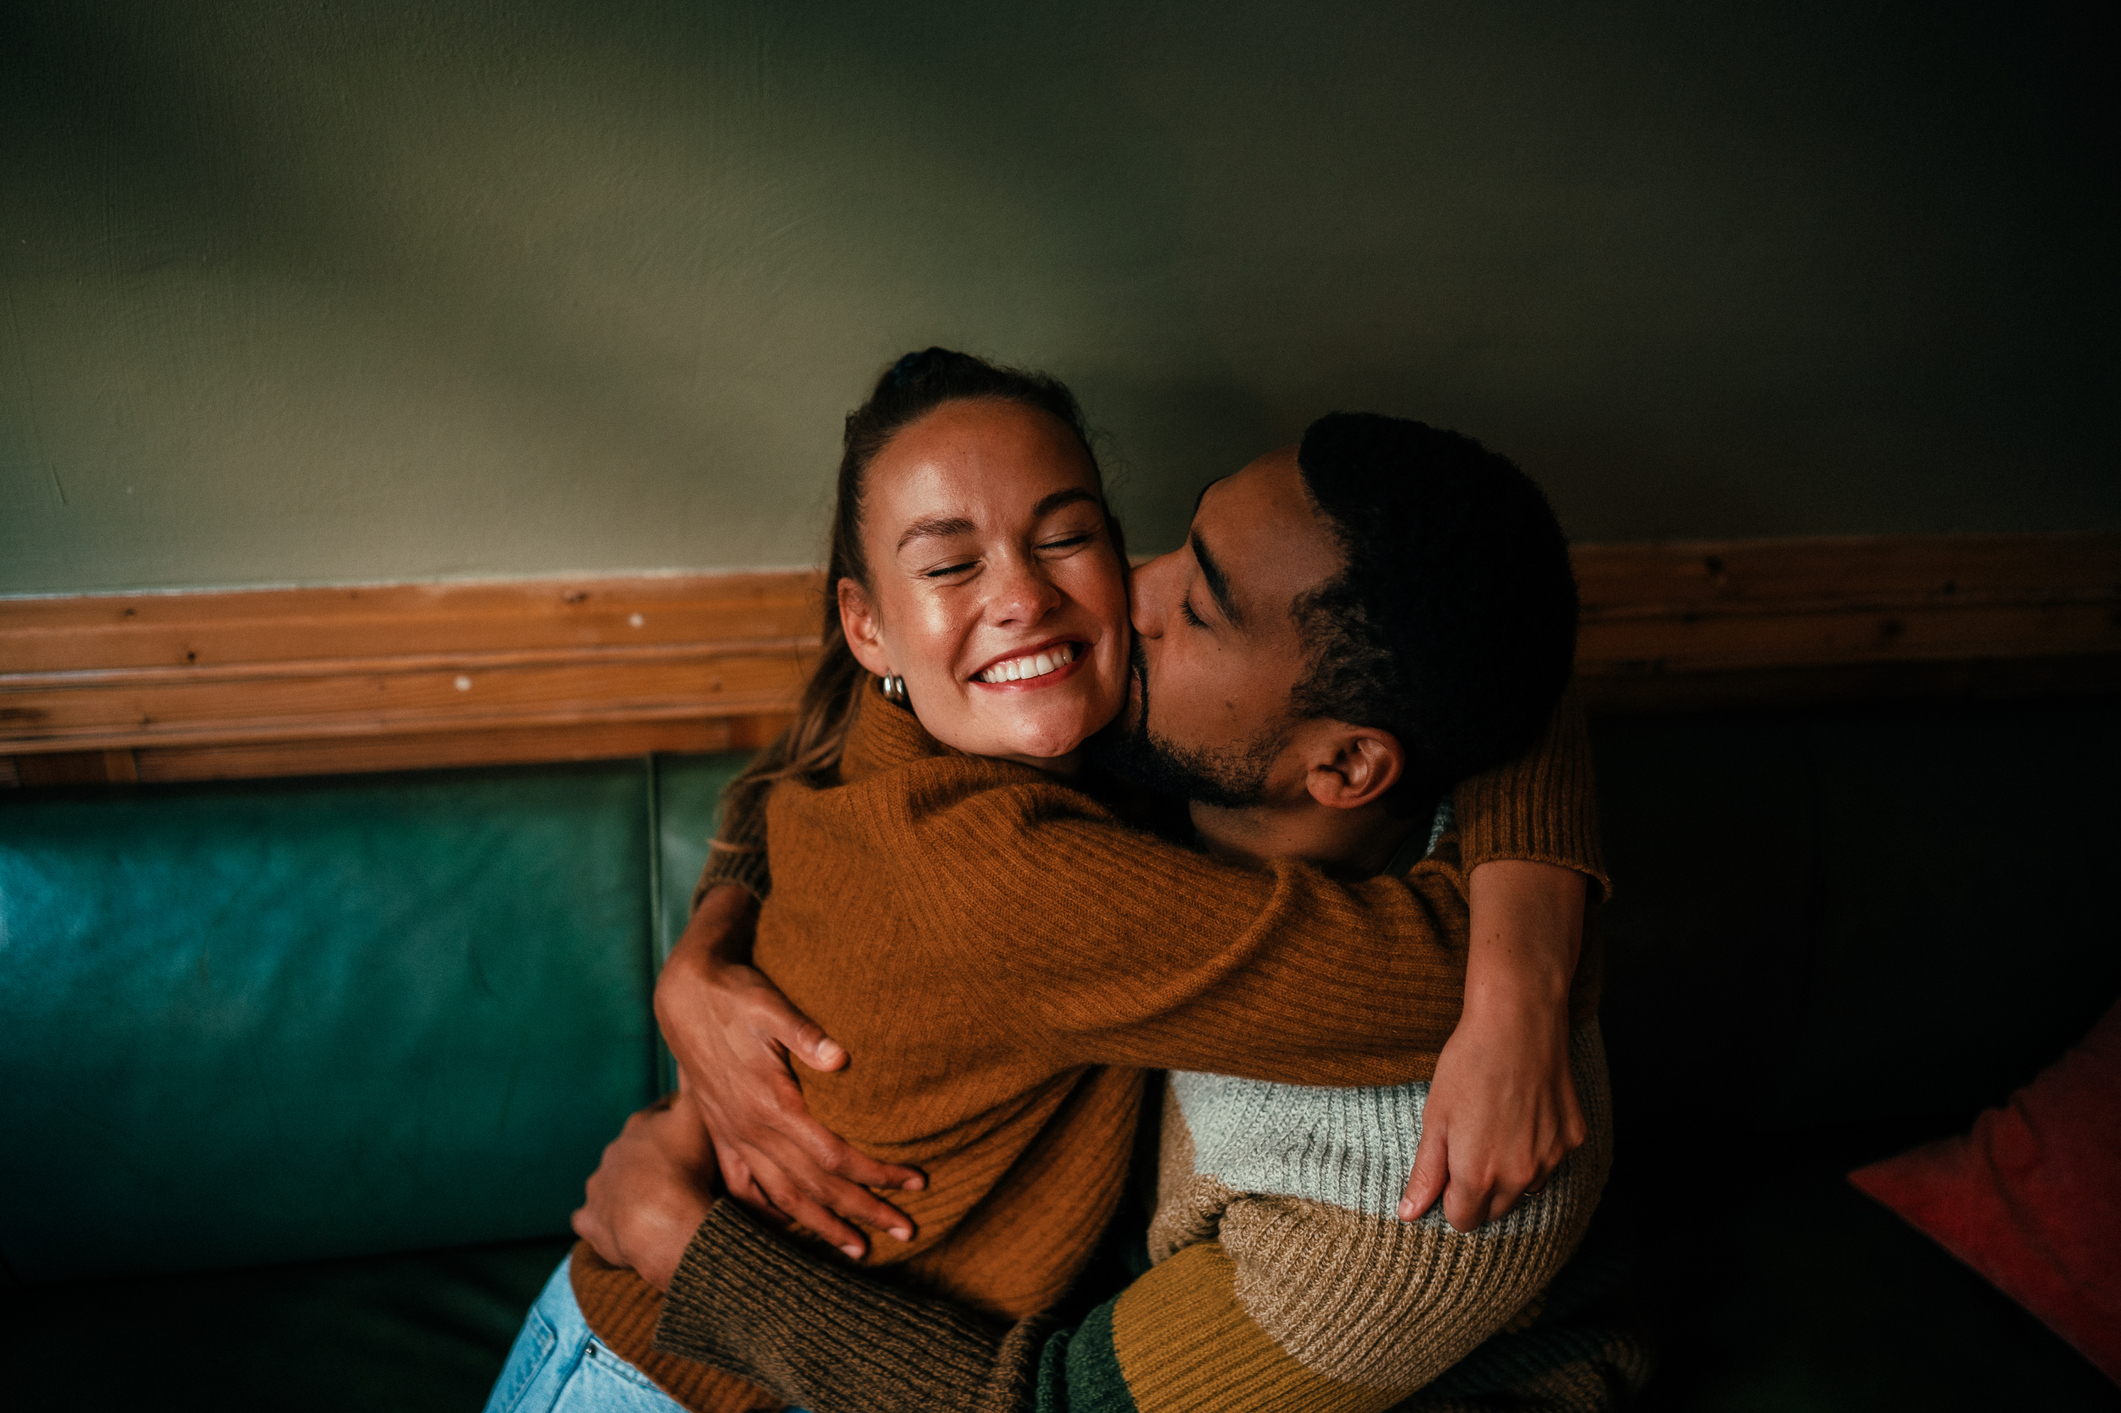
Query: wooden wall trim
(1783, 622)
(302, 681)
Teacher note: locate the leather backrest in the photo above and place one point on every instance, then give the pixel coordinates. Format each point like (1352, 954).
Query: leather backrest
(282, 1020)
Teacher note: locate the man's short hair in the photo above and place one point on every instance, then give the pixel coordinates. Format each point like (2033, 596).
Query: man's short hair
(1453, 625)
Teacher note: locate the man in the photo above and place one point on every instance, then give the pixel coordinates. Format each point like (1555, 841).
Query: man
(1282, 686)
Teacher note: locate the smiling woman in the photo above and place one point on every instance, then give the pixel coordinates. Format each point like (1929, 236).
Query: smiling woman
(1006, 613)
(1039, 418)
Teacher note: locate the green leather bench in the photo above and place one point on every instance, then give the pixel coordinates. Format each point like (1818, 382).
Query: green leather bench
(302, 1077)
(275, 1036)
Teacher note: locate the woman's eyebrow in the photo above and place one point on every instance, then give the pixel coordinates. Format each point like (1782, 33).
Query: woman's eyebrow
(935, 526)
(939, 526)
(1058, 499)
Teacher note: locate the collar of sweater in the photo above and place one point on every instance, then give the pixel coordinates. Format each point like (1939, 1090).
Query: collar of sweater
(883, 737)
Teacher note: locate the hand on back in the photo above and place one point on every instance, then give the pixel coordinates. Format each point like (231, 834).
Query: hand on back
(1502, 1110)
(732, 1033)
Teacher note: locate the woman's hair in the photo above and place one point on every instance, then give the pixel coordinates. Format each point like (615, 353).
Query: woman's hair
(909, 390)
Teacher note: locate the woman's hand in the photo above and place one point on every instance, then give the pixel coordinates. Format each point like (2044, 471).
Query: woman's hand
(1502, 1110)
(650, 1193)
(732, 1031)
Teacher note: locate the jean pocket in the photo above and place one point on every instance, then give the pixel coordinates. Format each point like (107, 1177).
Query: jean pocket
(526, 1357)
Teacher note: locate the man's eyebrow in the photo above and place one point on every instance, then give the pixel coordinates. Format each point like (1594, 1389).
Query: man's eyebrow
(1218, 582)
(935, 526)
(1203, 494)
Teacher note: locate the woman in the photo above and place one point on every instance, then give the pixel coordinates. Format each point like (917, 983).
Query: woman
(928, 846)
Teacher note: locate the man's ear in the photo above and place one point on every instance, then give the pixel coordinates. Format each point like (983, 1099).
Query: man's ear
(1354, 766)
(863, 629)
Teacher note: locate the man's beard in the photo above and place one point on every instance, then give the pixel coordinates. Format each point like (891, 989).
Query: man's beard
(1232, 778)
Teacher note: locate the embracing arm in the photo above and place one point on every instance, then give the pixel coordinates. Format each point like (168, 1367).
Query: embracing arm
(750, 1303)
(1495, 922)
(1503, 1112)
(732, 1034)
(1502, 1108)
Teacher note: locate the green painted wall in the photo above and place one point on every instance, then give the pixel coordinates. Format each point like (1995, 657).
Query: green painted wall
(304, 292)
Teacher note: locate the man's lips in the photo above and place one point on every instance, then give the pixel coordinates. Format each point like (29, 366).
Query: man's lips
(1044, 665)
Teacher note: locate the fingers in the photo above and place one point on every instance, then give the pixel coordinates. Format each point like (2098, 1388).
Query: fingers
(825, 1205)
(840, 1159)
(814, 1048)
(599, 1236)
(1497, 1197)
(1432, 1169)
(796, 1178)
(1574, 1127)
(795, 1205)
(1466, 1206)
(773, 1017)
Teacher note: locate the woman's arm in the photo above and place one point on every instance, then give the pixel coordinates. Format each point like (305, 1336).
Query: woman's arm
(1502, 1110)
(1526, 831)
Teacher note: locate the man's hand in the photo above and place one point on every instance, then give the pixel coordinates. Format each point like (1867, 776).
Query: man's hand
(1502, 1110)
(650, 1193)
(732, 1032)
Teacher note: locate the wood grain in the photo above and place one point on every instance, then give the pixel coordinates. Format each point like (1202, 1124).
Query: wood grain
(158, 687)
(1790, 622)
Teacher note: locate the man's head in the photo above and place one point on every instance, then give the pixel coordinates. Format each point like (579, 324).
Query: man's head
(1364, 619)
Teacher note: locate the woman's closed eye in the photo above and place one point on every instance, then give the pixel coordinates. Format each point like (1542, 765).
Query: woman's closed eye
(1067, 542)
(947, 571)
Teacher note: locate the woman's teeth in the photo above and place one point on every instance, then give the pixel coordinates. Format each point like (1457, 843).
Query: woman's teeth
(1017, 669)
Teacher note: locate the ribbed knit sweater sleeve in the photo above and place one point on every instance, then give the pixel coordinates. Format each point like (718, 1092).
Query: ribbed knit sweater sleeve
(1123, 949)
(1542, 806)
(834, 1339)
(737, 853)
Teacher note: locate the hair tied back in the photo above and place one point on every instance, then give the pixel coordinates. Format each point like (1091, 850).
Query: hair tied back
(910, 367)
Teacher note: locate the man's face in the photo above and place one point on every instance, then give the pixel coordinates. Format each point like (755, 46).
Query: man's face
(1216, 651)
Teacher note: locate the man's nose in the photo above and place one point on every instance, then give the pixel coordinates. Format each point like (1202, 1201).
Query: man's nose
(1145, 601)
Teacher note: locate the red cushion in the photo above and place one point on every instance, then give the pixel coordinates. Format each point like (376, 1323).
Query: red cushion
(2032, 1197)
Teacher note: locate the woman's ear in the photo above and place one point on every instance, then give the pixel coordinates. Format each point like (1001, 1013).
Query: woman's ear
(1355, 768)
(863, 629)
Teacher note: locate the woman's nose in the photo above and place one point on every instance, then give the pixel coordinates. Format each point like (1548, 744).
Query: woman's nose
(1023, 595)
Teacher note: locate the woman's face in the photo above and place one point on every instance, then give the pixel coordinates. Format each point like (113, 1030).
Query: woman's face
(997, 593)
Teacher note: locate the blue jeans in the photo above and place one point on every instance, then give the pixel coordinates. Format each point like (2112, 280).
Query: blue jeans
(558, 1366)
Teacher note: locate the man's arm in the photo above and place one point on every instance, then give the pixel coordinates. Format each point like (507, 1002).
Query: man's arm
(732, 1033)
(749, 1303)
(819, 1334)
(650, 1192)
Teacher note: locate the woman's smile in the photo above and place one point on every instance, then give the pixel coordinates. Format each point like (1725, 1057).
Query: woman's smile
(1027, 669)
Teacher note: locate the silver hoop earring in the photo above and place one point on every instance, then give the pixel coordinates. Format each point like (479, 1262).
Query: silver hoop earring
(893, 688)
